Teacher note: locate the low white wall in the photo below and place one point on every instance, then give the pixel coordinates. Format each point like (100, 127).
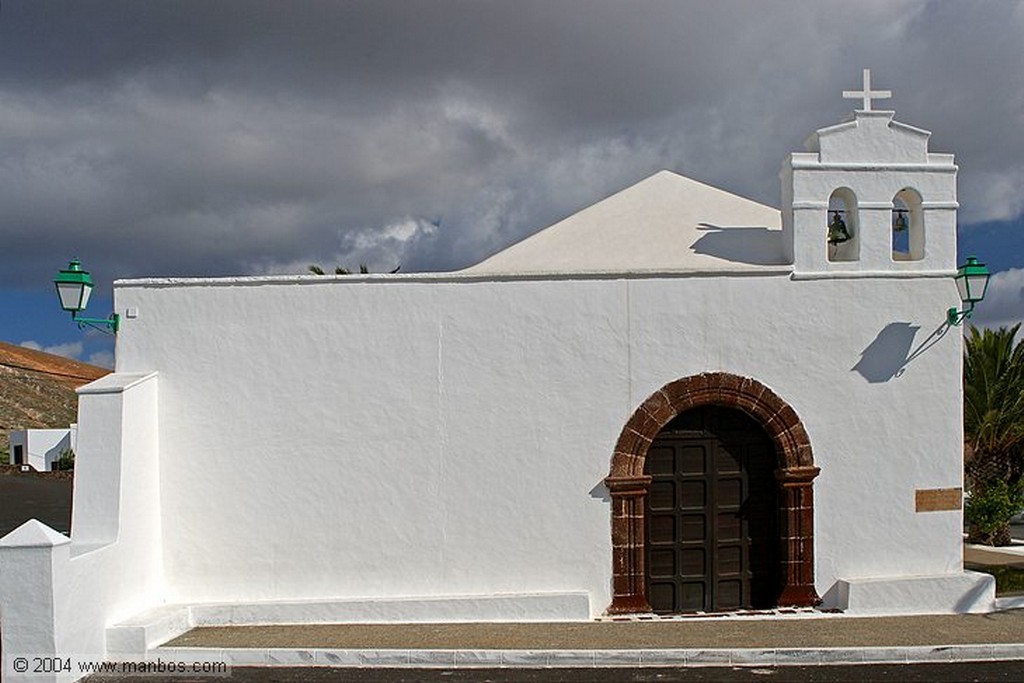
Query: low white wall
(112, 566)
(445, 436)
(957, 593)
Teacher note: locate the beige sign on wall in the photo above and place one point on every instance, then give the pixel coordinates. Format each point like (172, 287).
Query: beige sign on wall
(935, 500)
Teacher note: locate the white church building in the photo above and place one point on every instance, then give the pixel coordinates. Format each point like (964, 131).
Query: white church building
(677, 400)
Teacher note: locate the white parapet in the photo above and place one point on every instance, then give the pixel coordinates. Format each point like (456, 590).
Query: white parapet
(136, 636)
(34, 565)
(567, 606)
(59, 594)
(940, 594)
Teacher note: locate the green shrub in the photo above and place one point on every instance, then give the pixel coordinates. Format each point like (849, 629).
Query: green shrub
(66, 461)
(989, 509)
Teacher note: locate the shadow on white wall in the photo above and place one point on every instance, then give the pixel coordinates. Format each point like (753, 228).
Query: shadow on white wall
(889, 354)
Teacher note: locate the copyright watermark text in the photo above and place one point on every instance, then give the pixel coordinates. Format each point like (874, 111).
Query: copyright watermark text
(28, 666)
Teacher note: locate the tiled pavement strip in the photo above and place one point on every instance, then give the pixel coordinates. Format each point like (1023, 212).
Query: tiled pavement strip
(780, 637)
(797, 639)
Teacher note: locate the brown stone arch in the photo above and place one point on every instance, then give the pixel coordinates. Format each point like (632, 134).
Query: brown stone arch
(628, 484)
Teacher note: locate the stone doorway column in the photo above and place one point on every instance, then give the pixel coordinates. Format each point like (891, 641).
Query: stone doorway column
(628, 573)
(796, 533)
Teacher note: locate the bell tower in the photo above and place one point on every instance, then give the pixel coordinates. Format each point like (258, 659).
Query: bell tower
(868, 198)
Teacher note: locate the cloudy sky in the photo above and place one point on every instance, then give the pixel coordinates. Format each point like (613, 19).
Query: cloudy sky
(217, 137)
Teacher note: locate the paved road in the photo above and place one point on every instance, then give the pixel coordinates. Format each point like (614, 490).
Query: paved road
(911, 673)
(27, 496)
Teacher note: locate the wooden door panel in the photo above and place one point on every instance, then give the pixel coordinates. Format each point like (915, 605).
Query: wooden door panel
(692, 562)
(730, 560)
(693, 596)
(662, 495)
(663, 564)
(662, 593)
(692, 495)
(711, 514)
(728, 594)
(728, 462)
(661, 531)
(661, 460)
(692, 460)
(693, 528)
(731, 493)
(730, 527)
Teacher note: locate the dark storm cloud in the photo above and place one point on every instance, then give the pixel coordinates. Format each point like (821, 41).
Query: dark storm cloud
(222, 137)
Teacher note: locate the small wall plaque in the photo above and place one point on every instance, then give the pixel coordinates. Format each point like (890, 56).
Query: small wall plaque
(936, 500)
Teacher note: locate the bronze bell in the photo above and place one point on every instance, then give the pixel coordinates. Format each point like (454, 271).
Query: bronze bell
(837, 231)
(900, 224)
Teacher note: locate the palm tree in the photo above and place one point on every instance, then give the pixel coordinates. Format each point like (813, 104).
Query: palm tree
(994, 428)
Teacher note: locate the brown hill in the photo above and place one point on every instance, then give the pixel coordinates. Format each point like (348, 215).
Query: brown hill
(37, 389)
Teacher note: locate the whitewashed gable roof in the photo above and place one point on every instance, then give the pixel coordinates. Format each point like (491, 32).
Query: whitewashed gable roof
(664, 223)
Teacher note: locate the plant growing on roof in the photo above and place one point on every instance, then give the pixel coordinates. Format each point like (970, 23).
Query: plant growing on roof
(363, 270)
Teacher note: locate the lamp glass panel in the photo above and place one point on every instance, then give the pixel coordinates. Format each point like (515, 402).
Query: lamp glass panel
(74, 296)
(86, 293)
(961, 288)
(976, 286)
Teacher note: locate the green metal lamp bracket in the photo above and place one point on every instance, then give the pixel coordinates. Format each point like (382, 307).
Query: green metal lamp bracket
(955, 317)
(105, 325)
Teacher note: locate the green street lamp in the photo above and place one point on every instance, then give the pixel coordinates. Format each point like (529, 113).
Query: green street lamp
(74, 286)
(971, 283)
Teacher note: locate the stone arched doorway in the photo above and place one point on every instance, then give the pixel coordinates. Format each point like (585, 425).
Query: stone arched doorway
(629, 485)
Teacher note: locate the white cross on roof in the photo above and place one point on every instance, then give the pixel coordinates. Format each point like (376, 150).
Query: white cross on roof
(867, 93)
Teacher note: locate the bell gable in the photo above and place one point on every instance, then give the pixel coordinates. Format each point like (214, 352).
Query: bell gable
(872, 137)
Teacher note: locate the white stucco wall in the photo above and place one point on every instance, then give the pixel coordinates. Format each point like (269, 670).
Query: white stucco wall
(449, 436)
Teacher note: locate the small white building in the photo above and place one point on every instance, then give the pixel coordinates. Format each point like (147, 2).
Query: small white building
(675, 400)
(40, 449)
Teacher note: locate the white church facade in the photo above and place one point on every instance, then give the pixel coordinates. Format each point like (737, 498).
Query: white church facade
(677, 400)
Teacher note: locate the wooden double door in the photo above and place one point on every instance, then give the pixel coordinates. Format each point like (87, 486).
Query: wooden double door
(711, 515)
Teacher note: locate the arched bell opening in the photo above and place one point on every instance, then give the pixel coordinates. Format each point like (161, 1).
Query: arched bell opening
(842, 226)
(907, 226)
